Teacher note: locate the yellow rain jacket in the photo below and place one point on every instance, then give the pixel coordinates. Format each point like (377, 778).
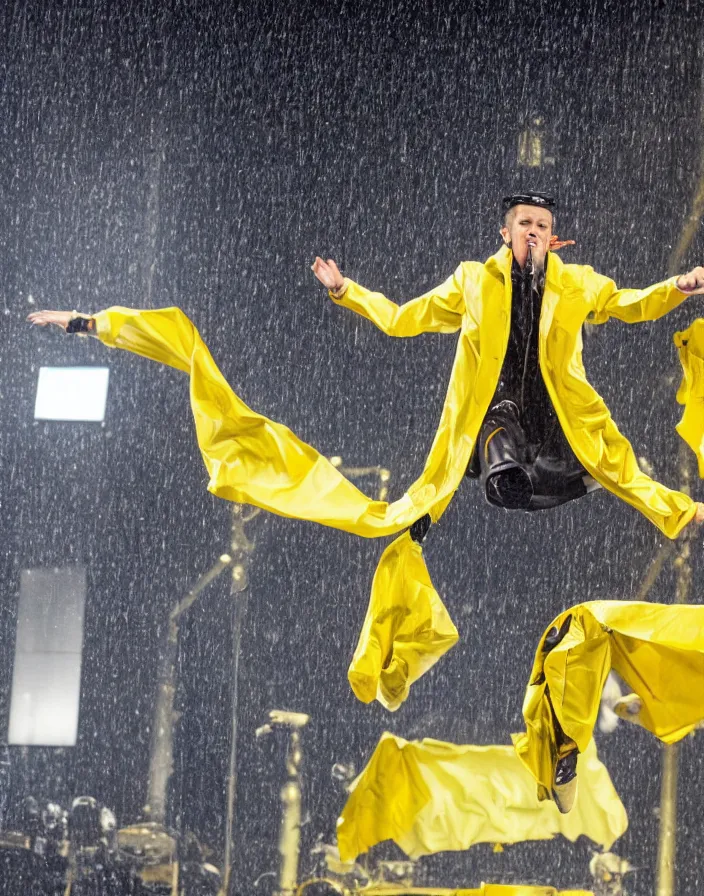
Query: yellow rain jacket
(476, 300)
(658, 650)
(429, 796)
(254, 460)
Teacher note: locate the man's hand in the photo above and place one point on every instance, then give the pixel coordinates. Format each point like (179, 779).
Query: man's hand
(691, 283)
(42, 318)
(699, 515)
(328, 273)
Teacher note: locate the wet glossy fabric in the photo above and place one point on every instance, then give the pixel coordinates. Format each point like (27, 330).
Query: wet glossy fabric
(429, 796)
(406, 630)
(255, 460)
(690, 347)
(252, 459)
(658, 650)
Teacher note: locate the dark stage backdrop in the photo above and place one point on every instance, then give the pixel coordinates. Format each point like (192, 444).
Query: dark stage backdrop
(200, 154)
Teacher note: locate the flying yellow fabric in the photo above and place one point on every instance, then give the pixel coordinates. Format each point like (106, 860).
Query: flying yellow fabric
(690, 347)
(254, 460)
(406, 630)
(658, 650)
(429, 796)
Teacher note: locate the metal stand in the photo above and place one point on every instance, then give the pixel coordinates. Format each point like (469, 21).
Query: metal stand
(290, 829)
(667, 844)
(161, 760)
(241, 548)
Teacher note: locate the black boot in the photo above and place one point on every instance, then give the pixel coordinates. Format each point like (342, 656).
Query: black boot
(502, 455)
(564, 782)
(420, 529)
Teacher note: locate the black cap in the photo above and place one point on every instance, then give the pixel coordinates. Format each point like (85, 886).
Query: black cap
(542, 200)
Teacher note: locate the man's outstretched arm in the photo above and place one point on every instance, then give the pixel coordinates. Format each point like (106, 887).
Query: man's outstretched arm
(69, 321)
(438, 311)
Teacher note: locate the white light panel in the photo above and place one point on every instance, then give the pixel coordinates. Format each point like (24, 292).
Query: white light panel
(46, 683)
(71, 393)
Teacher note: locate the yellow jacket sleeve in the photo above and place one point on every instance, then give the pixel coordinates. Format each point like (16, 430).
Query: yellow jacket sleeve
(690, 347)
(438, 311)
(634, 306)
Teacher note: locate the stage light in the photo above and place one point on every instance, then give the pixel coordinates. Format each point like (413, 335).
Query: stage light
(71, 393)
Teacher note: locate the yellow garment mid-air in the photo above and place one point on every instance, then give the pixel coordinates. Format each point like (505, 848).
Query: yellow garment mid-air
(254, 460)
(405, 631)
(429, 796)
(658, 650)
(690, 347)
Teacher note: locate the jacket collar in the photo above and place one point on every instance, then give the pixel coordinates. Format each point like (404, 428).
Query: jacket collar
(499, 264)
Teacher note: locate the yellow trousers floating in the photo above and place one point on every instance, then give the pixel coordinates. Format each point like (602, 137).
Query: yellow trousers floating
(658, 650)
(429, 796)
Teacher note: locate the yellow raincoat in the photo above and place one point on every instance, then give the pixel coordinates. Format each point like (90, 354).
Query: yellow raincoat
(658, 650)
(429, 796)
(254, 460)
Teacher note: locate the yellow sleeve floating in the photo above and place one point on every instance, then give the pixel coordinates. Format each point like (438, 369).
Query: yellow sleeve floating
(406, 630)
(429, 796)
(252, 459)
(690, 347)
(658, 650)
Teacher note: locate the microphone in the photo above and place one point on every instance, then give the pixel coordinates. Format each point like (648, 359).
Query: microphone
(530, 264)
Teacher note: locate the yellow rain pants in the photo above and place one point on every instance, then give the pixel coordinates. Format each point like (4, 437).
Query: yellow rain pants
(658, 650)
(429, 796)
